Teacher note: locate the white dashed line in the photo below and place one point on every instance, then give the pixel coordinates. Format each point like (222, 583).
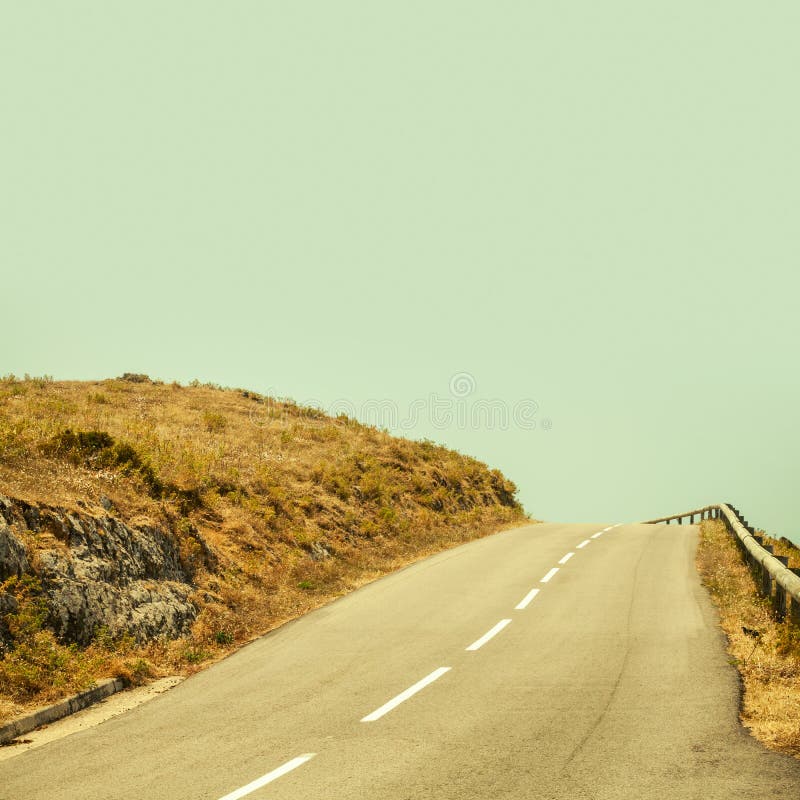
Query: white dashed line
(583, 544)
(525, 602)
(410, 692)
(566, 558)
(549, 575)
(476, 645)
(269, 777)
(595, 535)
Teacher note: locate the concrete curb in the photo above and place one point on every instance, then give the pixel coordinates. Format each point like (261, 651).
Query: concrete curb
(64, 708)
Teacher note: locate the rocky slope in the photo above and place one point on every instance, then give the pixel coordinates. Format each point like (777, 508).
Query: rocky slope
(149, 527)
(99, 574)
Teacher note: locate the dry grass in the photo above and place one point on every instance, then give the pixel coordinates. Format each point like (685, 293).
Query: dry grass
(770, 671)
(268, 486)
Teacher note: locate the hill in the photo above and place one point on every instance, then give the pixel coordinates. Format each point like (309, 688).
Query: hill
(147, 528)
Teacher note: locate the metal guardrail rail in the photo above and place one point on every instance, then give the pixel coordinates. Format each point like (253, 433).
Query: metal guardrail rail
(772, 574)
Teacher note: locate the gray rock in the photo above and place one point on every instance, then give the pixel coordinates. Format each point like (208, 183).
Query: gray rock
(106, 576)
(318, 551)
(13, 558)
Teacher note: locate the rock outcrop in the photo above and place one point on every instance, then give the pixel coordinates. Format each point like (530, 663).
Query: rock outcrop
(99, 573)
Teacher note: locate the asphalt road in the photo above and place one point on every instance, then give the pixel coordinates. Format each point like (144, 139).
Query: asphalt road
(453, 679)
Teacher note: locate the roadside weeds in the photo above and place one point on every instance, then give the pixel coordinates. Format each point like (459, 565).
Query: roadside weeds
(765, 651)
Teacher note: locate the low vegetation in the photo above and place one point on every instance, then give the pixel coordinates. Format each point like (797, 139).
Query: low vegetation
(765, 650)
(275, 509)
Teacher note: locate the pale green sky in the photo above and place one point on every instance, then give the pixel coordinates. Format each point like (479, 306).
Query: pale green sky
(590, 205)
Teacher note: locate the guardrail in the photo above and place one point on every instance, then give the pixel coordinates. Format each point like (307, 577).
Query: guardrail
(773, 576)
(706, 512)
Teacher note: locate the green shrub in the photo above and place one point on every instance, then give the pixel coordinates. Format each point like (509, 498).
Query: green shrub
(82, 445)
(32, 610)
(214, 422)
(387, 515)
(195, 655)
(97, 449)
(136, 672)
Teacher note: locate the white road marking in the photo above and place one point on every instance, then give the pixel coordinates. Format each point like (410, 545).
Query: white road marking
(595, 535)
(566, 558)
(269, 777)
(584, 543)
(410, 692)
(526, 600)
(476, 645)
(549, 575)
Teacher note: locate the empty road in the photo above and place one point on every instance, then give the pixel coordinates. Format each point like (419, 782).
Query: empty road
(549, 661)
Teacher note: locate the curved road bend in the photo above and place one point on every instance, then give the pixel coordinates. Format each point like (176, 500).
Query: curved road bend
(506, 668)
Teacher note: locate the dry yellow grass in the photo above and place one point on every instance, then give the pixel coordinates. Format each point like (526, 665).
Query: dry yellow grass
(264, 482)
(769, 665)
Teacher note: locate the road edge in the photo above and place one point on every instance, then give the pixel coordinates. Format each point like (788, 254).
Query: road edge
(105, 688)
(69, 705)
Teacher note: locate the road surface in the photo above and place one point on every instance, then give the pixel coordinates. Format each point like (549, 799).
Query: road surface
(506, 668)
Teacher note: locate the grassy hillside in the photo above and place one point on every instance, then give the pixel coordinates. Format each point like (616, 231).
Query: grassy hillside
(273, 509)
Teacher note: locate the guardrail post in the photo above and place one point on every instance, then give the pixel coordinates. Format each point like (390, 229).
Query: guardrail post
(779, 602)
(794, 611)
(766, 582)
